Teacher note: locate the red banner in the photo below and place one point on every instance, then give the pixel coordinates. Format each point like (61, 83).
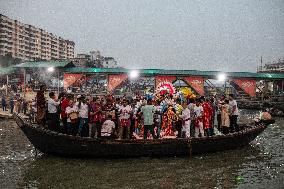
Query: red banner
(115, 80)
(197, 83)
(160, 79)
(247, 85)
(75, 80)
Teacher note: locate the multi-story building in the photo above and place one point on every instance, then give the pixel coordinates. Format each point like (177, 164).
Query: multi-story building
(109, 62)
(274, 67)
(31, 43)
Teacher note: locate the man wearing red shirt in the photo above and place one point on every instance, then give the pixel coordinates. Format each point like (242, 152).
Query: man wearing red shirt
(64, 105)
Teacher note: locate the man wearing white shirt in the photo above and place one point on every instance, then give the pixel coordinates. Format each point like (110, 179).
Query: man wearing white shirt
(124, 119)
(186, 122)
(234, 113)
(83, 109)
(52, 116)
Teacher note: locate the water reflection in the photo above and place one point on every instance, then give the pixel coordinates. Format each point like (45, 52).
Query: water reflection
(208, 171)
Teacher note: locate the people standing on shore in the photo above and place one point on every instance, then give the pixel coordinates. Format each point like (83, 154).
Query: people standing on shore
(4, 103)
(17, 104)
(234, 113)
(24, 106)
(11, 103)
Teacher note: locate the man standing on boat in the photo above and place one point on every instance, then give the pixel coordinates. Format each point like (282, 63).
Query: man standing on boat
(53, 117)
(198, 119)
(186, 122)
(234, 113)
(148, 118)
(124, 119)
(41, 106)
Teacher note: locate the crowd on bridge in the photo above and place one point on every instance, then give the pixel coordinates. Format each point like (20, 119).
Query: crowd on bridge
(161, 116)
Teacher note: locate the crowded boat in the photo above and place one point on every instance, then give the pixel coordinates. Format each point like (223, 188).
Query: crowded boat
(152, 116)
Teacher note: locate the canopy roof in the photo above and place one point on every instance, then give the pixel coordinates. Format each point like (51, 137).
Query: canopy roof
(207, 74)
(7, 70)
(45, 64)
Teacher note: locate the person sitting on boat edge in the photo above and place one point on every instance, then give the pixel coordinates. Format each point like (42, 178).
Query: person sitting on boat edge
(108, 128)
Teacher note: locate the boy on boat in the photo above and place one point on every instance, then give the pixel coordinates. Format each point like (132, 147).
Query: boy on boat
(108, 128)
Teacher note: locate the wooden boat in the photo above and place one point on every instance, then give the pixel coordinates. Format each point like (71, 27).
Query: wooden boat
(54, 143)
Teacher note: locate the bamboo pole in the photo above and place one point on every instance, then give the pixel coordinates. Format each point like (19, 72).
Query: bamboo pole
(24, 83)
(7, 84)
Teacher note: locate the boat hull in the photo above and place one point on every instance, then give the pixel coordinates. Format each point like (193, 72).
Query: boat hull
(58, 144)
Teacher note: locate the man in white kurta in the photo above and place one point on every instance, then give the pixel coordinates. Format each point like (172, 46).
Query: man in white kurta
(185, 116)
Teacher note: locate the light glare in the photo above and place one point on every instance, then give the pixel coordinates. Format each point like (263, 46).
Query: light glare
(134, 74)
(50, 69)
(221, 77)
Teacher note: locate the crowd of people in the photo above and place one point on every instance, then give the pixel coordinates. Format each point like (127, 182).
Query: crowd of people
(16, 104)
(162, 116)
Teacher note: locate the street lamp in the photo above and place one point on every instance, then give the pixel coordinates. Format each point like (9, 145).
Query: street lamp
(50, 69)
(221, 77)
(133, 74)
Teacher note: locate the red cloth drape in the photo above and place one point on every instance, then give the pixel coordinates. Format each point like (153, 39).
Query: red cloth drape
(247, 85)
(196, 82)
(115, 80)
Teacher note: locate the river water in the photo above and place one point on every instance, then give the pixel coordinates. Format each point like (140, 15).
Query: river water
(259, 165)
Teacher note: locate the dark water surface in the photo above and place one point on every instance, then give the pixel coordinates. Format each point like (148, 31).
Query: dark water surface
(260, 165)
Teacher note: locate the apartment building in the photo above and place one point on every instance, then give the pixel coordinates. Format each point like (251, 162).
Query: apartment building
(31, 43)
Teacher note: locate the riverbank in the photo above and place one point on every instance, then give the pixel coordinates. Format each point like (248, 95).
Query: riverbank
(8, 115)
